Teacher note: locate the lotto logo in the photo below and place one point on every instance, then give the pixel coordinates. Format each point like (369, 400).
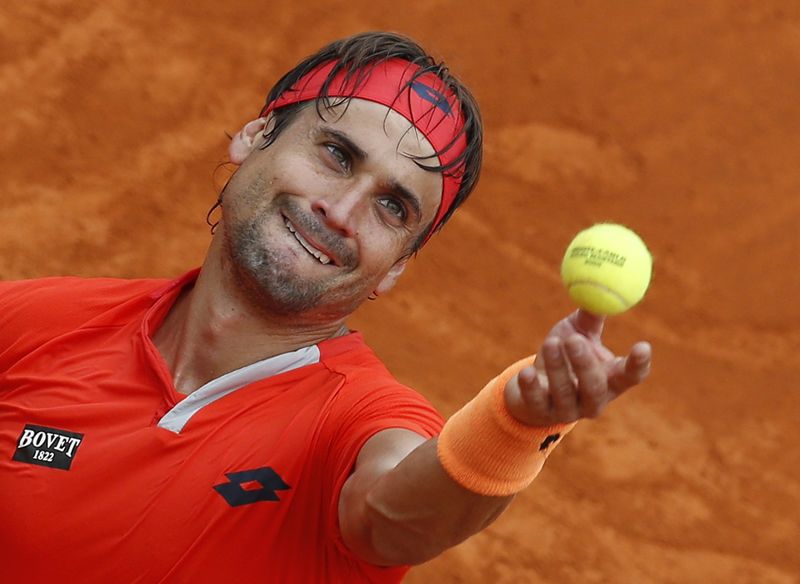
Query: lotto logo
(251, 486)
(428, 93)
(49, 447)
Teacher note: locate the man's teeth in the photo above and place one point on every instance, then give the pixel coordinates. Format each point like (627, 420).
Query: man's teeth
(323, 259)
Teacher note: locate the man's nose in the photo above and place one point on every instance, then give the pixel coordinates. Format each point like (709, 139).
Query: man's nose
(342, 210)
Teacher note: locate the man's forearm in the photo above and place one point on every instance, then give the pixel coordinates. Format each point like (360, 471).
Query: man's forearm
(416, 511)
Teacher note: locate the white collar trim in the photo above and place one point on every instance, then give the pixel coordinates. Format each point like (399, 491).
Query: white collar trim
(175, 419)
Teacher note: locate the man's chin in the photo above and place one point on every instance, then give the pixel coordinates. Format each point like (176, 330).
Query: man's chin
(282, 285)
(305, 303)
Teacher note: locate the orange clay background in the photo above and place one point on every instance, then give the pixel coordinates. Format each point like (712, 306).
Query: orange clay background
(679, 119)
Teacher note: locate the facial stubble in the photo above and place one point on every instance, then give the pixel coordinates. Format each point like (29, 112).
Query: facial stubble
(267, 275)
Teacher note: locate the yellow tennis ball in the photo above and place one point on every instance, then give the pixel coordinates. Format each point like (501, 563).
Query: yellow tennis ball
(607, 268)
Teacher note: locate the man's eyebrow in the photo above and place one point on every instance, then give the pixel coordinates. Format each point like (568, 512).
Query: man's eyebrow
(408, 197)
(397, 189)
(346, 141)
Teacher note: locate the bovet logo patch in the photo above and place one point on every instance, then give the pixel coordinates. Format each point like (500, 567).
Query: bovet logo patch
(49, 447)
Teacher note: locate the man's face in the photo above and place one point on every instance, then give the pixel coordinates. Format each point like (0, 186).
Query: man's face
(317, 221)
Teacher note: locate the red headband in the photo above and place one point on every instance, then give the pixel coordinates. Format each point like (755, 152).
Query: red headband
(424, 101)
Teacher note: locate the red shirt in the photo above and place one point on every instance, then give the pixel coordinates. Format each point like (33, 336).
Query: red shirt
(108, 474)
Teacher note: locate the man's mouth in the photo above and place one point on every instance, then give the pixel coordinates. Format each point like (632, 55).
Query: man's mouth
(321, 257)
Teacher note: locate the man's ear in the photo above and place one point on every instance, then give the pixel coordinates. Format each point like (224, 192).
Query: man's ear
(390, 279)
(245, 140)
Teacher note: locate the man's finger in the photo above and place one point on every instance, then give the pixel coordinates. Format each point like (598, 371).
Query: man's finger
(560, 380)
(535, 391)
(529, 402)
(588, 324)
(631, 370)
(591, 376)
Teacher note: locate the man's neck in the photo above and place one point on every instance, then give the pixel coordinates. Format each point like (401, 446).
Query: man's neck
(210, 331)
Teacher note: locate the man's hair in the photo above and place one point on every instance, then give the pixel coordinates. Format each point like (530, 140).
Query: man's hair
(355, 55)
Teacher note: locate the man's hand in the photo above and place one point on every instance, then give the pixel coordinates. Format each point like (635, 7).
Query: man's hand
(574, 375)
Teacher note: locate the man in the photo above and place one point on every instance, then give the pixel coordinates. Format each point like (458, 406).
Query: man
(227, 425)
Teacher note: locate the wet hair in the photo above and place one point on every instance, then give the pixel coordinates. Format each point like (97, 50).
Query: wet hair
(355, 55)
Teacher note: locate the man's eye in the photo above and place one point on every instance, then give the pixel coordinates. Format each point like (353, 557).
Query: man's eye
(341, 157)
(394, 206)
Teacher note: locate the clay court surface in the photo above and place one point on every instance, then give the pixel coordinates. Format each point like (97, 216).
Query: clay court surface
(678, 119)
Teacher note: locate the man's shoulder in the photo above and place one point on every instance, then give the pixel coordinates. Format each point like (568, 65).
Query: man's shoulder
(59, 292)
(44, 307)
(351, 357)
(80, 284)
(367, 380)
(368, 400)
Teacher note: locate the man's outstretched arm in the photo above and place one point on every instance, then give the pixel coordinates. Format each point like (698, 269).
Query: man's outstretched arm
(400, 505)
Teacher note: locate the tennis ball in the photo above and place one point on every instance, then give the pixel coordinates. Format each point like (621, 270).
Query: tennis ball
(607, 269)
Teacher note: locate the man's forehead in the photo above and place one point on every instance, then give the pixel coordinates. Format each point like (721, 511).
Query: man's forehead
(360, 118)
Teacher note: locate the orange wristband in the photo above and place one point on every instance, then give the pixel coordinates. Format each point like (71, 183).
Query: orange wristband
(488, 451)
